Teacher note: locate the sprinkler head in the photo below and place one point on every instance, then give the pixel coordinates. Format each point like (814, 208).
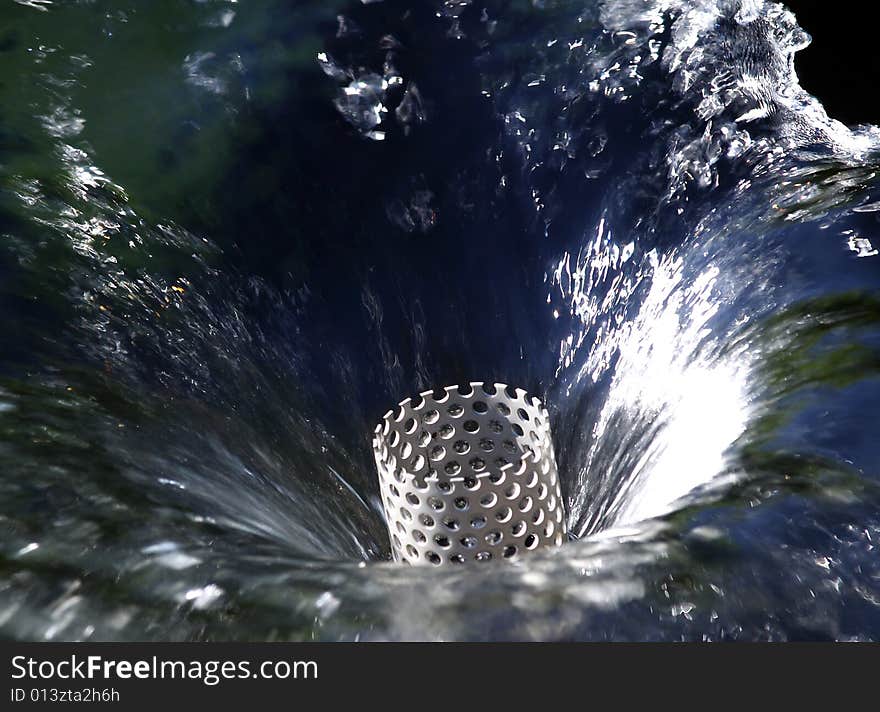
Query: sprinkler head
(468, 474)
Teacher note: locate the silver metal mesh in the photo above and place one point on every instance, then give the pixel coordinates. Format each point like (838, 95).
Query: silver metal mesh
(468, 473)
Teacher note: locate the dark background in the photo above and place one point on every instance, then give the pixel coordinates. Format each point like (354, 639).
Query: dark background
(842, 65)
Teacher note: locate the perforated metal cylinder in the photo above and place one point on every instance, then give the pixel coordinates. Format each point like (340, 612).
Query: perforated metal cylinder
(468, 473)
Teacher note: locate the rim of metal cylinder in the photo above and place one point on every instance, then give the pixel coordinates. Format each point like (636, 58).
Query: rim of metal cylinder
(468, 473)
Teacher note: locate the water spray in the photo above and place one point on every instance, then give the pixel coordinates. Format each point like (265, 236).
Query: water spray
(468, 473)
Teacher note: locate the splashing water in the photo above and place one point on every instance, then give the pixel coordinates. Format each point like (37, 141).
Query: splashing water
(231, 236)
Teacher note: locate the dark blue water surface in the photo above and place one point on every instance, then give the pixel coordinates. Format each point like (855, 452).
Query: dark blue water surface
(233, 235)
